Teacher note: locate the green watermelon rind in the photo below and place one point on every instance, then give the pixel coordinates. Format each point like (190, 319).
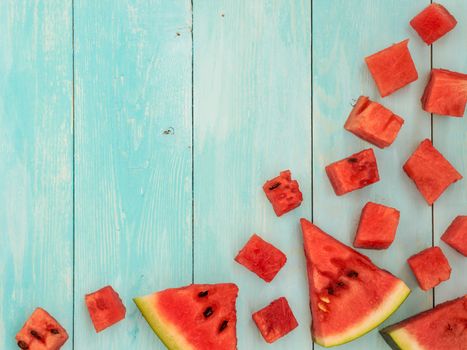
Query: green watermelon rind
(399, 339)
(382, 313)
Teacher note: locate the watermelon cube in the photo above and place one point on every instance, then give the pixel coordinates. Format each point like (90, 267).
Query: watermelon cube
(261, 257)
(433, 22)
(374, 123)
(456, 234)
(377, 227)
(275, 320)
(283, 193)
(354, 172)
(430, 267)
(41, 332)
(392, 68)
(105, 308)
(445, 93)
(430, 171)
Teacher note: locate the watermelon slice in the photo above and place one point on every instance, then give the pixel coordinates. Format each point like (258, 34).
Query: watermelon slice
(373, 123)
(433, 22)
(430, 171)
(349, 295)
(456, 235)
(392, 68)
(430, 267)
(275, 320)
(377, 227)
(354, 172)
(445, 93)
(196, 317)
(283, 193)
(105, 308)
(261, 258)
(442, 328)
(41, 332)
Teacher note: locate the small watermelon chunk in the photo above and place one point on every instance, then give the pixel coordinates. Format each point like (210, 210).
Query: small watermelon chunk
(456, 235)
(392, 68)
(441, 328)
(433, 22)
(105, 308)
(430, 171)
(41, 332)
(283, 193)
(374, 123)
(377, 227)
(275, 320)
(198, 316)
(445, 93)
(430, 267)
(261, 257)
(354, 172)
(349, 295)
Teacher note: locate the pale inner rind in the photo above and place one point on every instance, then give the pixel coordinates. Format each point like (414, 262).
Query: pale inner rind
(404, 340)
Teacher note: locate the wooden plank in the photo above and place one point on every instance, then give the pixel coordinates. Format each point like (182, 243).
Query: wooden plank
(133, 158)
(252, 110)
(35, 163)
(450, 137)
(342, 36)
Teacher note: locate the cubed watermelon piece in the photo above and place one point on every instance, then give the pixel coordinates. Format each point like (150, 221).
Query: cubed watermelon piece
(261, 257)
(456, 234)
(41, 332)
(430, 267)
(354, 172)
(445, 93)
(373, 122)
(283, 193)
(430, 171)
(433, 22)
(275, 320)
(377, 227)
(105, 308)
(392, 68)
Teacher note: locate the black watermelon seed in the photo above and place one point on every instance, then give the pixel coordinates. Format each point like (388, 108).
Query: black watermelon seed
(273, 187)
(203, 294)
(352, 274)
(340, 284)
(223, 325)
(208, 312)
(36, 335)
(449, 327)
(352, 160)
(54, 331)
(330, 290)
(23, 345)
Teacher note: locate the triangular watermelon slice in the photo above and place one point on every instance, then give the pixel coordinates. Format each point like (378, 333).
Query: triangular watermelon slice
(349, 295)
(196, 317)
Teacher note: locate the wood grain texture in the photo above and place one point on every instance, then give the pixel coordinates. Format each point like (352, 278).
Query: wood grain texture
(133, 158)
(450, 137)
(252, 109)
(35, 163)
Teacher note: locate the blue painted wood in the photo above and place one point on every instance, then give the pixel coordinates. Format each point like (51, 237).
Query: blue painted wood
(252, 119)
(133, 158)
(35, 163)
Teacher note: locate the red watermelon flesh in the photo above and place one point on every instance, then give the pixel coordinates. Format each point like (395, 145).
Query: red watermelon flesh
(354, 172)
(261, 258)
(373, 122)
(275, 320)
(349, 295)
(195, 317)
(430, 171)
(392, 68)
(105, 308)
(41, 332)
(441, 328)
(283, 193)
(377, 227)
(456, 235)
(445, 93)
(433, 22)
(430, 267)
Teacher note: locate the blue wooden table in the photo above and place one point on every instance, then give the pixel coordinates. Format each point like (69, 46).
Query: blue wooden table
(135, 136)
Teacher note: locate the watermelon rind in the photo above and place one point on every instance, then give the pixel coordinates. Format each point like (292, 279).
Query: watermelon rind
(166, 332)
(400, 339)
(378, 316)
